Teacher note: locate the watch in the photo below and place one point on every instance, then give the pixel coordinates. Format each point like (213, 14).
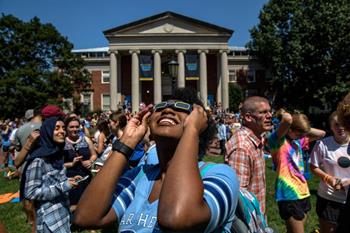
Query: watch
(122, 148)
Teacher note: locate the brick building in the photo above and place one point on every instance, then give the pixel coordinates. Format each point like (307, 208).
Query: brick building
(147, 58)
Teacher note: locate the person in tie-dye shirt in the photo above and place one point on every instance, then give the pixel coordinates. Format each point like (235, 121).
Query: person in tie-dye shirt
(287, 145)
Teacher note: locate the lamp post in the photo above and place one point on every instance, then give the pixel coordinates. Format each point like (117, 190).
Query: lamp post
(173, 67)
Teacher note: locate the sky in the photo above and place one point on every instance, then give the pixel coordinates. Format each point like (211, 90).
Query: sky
(83, 21)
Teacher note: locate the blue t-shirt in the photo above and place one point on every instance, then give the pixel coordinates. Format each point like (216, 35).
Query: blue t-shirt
(136, 214)
(150, 157)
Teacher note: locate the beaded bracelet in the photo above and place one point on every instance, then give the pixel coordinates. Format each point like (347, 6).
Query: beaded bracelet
(326, 178)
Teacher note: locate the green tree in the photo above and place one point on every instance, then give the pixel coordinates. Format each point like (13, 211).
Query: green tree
(36, 66)
(306, 46)
(235, 97)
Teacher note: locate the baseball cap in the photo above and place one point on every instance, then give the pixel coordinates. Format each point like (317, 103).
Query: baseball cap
(51, 110)
(29, 114)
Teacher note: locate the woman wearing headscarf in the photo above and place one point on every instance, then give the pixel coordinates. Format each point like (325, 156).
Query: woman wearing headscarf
(44, 179)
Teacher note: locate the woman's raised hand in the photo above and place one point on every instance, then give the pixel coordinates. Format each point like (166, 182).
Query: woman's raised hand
(136, 127)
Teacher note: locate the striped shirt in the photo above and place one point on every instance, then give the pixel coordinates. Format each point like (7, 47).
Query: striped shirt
(134, 212)
(244, 153)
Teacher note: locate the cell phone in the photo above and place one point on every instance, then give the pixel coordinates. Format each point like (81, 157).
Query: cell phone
(82, 179)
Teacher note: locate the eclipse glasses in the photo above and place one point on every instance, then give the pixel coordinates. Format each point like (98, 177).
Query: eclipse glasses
(174, 104)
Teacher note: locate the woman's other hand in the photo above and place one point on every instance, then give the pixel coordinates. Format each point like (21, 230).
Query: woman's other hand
(87, 163)
(197, 119)
(76, 160)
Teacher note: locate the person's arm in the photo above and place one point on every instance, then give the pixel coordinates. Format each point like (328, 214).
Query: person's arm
(284, 125)
(181, 204)
(96, 214)
(36, 189)
(315, 134)
(76, 160)
(31, 141)
(88, 163)
(100, 143)
(317, 159)
(335, 182)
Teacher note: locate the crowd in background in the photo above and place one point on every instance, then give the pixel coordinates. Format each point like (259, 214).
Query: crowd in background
(245, 139)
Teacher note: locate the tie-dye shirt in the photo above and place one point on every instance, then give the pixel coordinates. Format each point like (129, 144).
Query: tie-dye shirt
(288, 160)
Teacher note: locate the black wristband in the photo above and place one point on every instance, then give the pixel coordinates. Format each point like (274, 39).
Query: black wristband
(122, 148)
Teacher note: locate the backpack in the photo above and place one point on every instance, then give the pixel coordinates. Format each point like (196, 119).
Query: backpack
(248, 215)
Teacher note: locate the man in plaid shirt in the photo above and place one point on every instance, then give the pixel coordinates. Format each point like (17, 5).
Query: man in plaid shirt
(244, 150)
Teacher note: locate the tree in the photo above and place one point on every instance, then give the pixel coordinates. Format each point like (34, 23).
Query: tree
(235, 96)
(36, 66)
(306, 46)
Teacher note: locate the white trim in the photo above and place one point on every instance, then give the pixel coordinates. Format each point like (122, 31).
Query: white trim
(102, 104)
(102, 76)
(91, 99)
(232, 73)
(99, 49)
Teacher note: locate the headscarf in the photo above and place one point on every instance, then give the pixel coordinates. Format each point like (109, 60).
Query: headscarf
(47, 149)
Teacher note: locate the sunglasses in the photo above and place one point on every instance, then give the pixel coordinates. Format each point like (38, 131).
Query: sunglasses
(174, 104)
(343, 162)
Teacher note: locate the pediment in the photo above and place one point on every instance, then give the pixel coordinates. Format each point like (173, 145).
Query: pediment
(168, 27)
(165, 24)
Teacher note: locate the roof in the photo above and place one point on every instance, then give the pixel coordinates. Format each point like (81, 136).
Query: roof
(237, 48)
(106, 49)
(167, 14)
(99, 49)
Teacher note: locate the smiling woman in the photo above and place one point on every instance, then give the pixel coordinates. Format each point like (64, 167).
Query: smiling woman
(44, 180)
(172, 194)
(79, 155)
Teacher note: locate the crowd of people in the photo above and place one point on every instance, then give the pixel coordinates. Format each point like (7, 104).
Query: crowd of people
(144, 172)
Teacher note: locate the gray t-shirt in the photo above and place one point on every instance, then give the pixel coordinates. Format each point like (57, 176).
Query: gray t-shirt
(22, 135)
(24, 131)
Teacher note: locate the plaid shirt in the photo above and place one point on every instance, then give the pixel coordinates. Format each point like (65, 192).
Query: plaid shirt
(48, 188)
(245, 156)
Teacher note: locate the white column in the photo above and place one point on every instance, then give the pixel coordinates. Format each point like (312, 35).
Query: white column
(113, 88)
(224, 79)
(181, 70)
(119, 80)
(218, 90)
(203, 85)
(157, 81)
(135, 81)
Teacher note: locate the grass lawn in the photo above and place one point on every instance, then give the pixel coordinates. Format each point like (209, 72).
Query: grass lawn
(13, 217)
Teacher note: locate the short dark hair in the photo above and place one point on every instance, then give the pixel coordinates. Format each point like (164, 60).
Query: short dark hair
(70, 119)
(120, 117)
(249, 104)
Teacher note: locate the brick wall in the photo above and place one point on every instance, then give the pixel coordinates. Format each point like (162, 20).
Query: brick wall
(98, 89)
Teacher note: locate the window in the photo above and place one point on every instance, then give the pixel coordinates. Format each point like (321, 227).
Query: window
(250, 76)
(105, 76)
(86, 100)
(106, 102)
(232, 76)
